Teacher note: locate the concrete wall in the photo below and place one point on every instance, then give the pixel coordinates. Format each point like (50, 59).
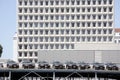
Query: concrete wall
(89, 56)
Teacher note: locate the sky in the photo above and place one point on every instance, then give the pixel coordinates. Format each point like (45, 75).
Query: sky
(8, 24)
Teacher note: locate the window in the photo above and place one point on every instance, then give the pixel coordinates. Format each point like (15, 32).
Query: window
(30, 2)
(25, 39)
(41, 24)
(94, 16)
(51, 10)
(104, 24)
(41, 2)
(73, 24)
(72, 46)
(62, 10)
(94, 24)
(94, 9)
(104, 16)
(73, 10)
(31, 32)
(99, 16)
(25, 10)
(25, 3)
(67, 24)
(110, 1)
(78, 31)
(110, 9)
(83, 31)
(46, 39)
(105, 9)
(46, 10)
(99, 24)
(56, 24)
(88, 2)
(83, 17)
(88, 16)
(62, 2)
(46, 32)
(51, 39)
(31, 17)
(20, 32)
(30, 53)
(78, 24)
(88, 9)
(94, 2)
(78, 2)
(36, 10)
(67, 17)
(51, 24)
(57, 10)
(36, 54)
(99, 9)
(20, 2)
(46, 2)
(67, 2)
(110, 24)
(72, 2)
(72, 17)
(36, 3)
(20, 39)
(72, 31)
(83, 24)
(110, 16)
(51, 2)
(20, 46)
(20, 10)
(51, 31)
(46, 24)
(56, 32)
(99, 2)
(57, 2)
(41, 10)
(88, 24)
(83, 9)
(36, 24)
(31, 24)
(104, 31)
(20, 54)
(20, 24)
(57, 17)
(62, 17)
(20, 17)
(78, 9)
(83, 2)
(78, 17)
(25, 54)
(25, 46)
(78, 39)
(105, 1)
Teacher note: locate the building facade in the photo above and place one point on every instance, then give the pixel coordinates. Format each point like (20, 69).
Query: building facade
(117, 35)
(59, 25)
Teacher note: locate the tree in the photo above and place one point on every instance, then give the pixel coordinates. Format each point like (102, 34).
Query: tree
(1, 50)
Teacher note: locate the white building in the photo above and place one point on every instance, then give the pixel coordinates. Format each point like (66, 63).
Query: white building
(64, 25)
(117, 35)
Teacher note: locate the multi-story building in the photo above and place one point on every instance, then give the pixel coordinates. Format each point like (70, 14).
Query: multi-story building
(117, 35)
(63, 26)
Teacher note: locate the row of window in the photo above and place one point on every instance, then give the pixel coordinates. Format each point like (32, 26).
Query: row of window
(66, 39)
(30, 54)
(65, 2)
(65, 24)
(65, 10)
(117, 41)
(63, 32)
(46, 46)
(66, 17)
